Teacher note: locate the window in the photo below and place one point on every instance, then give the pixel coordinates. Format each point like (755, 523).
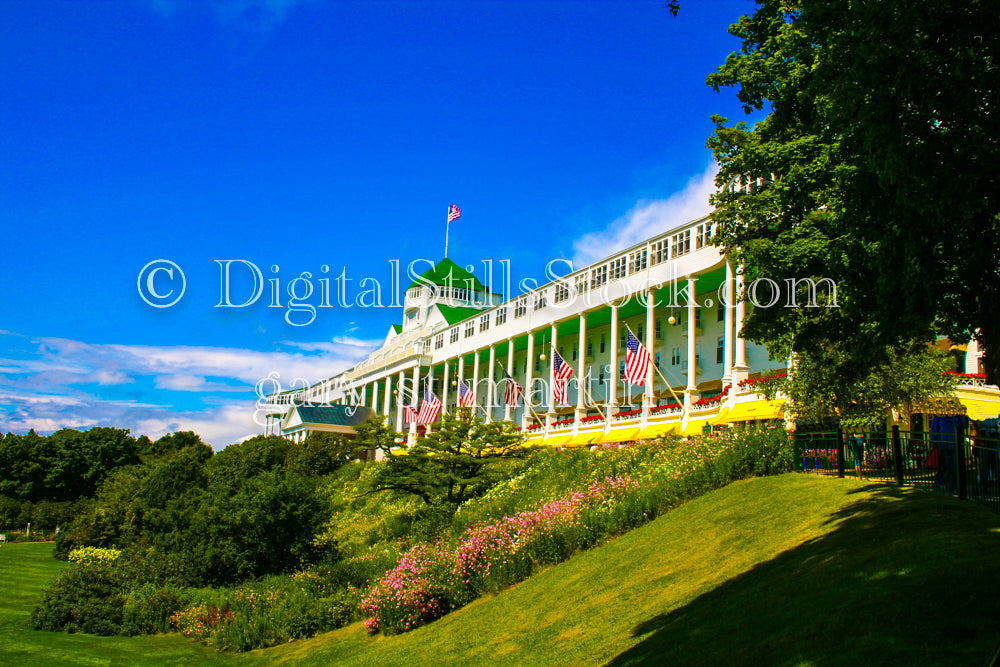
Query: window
(659, 330)
(413, 293)
(501, 315)
(484, 322)
(574, 354)
(637, 261)
(590, 347)
(520, 307)
(562, 292)
(598, 276)
(439, 341)
(720, 350)
(657, 359)
(600, 377)
(539, 300)
(470, 328)
(675, 356)
(617, 267)
(639, 333)
(621, 370)
(703, 236)
(659, 252)
(720, 315)
(697, 318)
(680, 244)
(453, 337)
(677, 319)
(602, 343)
(581, 283)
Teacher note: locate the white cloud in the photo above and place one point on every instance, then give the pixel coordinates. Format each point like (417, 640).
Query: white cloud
(648, 217)
(74, 384)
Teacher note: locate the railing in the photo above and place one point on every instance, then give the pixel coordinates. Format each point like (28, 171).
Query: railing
(948, 462)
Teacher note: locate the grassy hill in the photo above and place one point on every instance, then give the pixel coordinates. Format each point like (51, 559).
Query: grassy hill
(787, 570)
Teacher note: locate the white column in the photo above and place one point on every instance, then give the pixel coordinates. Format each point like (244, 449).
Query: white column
(490, 384)
(414, 401)
(692, 374)
(475, 380)
(727, 337)
(444, 388)
(400, 387)
(510, 371)
(649, 399)
(529, 367)
(461, 373)
(387, 401)
(364, 395)
(581, 368)
(740, 368)
(613, 360)
(375, 396)
(552, 360)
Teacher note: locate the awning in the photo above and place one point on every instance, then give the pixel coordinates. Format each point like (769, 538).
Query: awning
(721, 418)
(554, 440)
(695, 427)
(586, 438)
(752, 410)
(658, 430)
(621, 435)
(979, 408)
(533, 442)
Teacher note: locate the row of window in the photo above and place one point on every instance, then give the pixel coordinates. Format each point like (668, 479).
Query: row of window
(457, 293)
(521, 305)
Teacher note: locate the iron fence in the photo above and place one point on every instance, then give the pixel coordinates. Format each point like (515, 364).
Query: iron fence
(949, 462)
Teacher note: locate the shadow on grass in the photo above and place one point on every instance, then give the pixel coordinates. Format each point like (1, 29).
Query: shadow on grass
(904, 578)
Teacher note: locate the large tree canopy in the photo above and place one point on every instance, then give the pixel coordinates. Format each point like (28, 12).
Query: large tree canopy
(877, 166)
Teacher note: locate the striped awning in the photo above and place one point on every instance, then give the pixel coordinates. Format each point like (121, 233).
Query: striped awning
(621, 435)
(658, 430)
(752, 410)
(586, 438)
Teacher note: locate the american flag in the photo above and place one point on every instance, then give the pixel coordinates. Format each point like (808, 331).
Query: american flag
(636, 360)
(560, 374)
(453, 213)
(410, 415)
(430, 408)
(466, 398)
(512, 391)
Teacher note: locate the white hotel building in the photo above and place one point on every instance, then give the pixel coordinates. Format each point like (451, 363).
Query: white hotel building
(455, 330)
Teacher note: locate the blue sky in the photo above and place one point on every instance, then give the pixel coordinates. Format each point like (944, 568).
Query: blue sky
(302, 134)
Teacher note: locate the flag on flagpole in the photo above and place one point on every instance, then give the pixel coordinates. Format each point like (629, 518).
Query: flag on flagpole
(453, 213)
(512, 391)
(561, 371)
(410, 415)
(430, 408)
(636, 360)
(466, 398)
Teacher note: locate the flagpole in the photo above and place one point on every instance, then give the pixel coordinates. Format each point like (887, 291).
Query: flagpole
(521, 391)
(447, 228)
(657, 369)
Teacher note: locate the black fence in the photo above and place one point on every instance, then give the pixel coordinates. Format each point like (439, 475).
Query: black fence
(953, 462)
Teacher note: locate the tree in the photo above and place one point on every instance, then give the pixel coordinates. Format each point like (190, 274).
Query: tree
(821, 396)
(461, 459)
(877, 166)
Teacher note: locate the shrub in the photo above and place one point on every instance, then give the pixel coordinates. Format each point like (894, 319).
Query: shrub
(148, 609)
(83, 598)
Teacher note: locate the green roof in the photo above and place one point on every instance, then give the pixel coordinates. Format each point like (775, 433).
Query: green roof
(339, 415)
(455, 314)
(444, 270)
(398, 328)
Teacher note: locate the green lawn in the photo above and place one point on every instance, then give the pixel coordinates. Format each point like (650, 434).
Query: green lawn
(25, 569)
(789, 570)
